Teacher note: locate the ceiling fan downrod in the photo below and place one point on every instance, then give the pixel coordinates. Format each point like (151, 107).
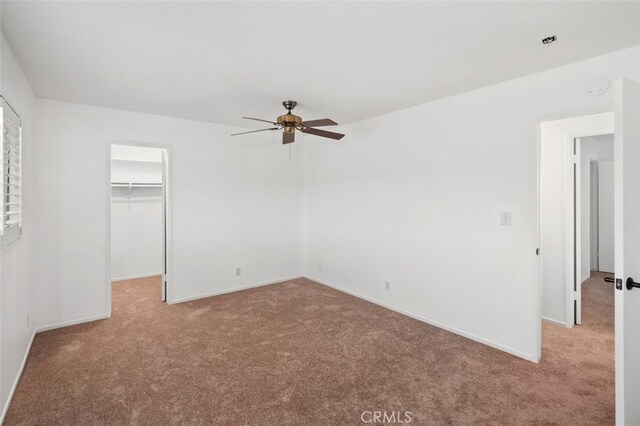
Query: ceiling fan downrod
(289, 105)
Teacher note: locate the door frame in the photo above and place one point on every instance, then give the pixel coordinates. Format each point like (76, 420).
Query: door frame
(168, 214)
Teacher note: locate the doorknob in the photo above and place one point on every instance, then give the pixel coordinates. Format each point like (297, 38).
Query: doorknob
(631, 284)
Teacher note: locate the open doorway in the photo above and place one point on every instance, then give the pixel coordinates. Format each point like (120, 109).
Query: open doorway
(576, 157)
(594, 227)
(575, 223)
(609, 355)
(570, 149)
(138, 223)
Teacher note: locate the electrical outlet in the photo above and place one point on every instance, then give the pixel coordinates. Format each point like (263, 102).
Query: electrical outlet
(320, 266)
(238, 271)
(387, 285)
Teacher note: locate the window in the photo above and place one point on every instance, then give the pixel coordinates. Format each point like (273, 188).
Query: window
(11, 158)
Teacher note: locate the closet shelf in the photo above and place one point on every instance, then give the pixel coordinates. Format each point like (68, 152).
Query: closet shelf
(135, 185)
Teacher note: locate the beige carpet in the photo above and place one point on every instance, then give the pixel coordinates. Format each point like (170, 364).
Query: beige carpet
(299, 353)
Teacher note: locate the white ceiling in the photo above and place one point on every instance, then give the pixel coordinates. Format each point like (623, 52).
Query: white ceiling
(217, 61)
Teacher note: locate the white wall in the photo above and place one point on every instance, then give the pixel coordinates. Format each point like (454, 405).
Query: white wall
(136, 153)
(606, 216)
(414, 197)
(236, 202)
(15, 262)
(136, 215)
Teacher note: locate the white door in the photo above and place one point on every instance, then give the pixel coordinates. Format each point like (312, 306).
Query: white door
(627, 249)
(606, 241)
(164, 225)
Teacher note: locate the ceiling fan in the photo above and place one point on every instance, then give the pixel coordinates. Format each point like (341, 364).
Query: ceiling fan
(289, 123)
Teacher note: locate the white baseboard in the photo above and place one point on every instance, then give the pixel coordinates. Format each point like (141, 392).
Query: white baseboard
(134, 277)
(72, 322)
(17, 379)
(232, 290)
(554, 321)
(528, 357)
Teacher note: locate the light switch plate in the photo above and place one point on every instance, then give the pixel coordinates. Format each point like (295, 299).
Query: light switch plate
(505, 218)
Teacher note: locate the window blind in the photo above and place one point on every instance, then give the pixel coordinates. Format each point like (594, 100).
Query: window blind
(11, 157)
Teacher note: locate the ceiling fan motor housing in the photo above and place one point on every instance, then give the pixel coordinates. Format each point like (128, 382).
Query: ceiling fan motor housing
(289, 121)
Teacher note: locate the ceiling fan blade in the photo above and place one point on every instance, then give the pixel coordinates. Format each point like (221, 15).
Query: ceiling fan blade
(288, 137)
(322, 133)
(259, 119)
(320, 122)
(253, 131)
